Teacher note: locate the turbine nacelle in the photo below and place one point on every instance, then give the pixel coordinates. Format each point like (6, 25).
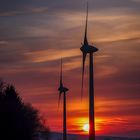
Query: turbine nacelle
(88, 49)
(62, 89)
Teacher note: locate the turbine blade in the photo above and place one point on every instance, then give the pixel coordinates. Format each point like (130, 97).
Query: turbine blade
(61, 83)
(85, 38)
(83, 71)
(59, 98)
(61, 72)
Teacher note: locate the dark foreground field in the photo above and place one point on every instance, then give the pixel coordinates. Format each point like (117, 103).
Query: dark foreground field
(58, 136)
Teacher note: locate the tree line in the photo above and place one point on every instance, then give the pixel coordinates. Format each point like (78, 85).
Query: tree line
(18, 120)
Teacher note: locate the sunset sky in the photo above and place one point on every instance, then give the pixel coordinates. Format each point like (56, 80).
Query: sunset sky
(35, 34)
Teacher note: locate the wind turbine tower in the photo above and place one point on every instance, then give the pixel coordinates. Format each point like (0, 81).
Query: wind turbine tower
(62, 90)
(89, 49)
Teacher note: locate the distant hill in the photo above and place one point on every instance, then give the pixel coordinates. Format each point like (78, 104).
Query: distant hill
(59, 136)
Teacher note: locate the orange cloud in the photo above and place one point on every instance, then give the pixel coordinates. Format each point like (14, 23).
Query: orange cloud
(51, 54)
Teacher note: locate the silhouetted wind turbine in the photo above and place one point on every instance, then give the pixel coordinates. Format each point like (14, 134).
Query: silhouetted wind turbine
(63, 89)
(89, 49)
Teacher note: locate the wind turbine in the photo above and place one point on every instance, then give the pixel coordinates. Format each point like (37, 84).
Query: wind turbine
(89, 49)
(63, 89)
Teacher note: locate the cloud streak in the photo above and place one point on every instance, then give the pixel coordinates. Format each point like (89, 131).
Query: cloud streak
(25, 11)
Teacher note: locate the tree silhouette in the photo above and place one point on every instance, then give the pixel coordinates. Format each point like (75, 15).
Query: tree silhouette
(18, 121)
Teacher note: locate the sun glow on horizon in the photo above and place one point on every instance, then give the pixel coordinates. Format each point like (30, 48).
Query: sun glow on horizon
(86, 127)
(83, 125)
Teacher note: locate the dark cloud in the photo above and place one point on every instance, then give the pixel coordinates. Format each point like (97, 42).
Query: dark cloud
(16, 6)
(25, 11)
(11, 54)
